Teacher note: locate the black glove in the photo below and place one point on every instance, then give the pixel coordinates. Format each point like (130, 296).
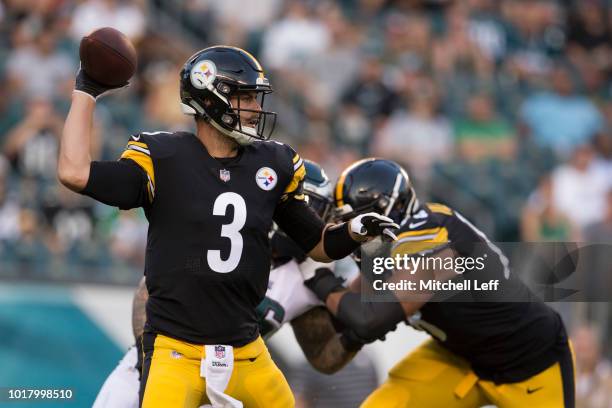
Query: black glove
(351, 341)
(90, 86)
(373, 224)
(323, 283)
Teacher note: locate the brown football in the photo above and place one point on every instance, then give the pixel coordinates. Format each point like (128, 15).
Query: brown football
(108, 56)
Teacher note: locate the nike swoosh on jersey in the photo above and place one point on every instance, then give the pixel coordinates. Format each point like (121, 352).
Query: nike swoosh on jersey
(416, 224)
(532, 390)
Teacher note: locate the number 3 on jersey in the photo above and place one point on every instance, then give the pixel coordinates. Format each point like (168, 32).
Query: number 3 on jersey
(231, 231)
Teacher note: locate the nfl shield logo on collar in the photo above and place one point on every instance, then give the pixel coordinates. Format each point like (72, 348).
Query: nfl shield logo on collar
(220, 351)
(224, 175)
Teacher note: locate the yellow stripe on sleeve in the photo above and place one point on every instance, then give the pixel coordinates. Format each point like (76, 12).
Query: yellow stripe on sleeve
(412, 245)
(146, 163)
(298, 176)
(440, 208)
(417, 233)
(139, 144)
(296, 158)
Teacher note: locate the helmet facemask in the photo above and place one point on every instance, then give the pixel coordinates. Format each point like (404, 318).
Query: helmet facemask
(261, 123)
(319, 203)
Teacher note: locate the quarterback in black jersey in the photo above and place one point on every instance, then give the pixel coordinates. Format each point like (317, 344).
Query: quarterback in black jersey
(210, 199)
(483, 351)
(287, 300)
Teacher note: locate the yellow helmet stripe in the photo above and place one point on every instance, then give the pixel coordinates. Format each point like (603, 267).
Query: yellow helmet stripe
(341, 179)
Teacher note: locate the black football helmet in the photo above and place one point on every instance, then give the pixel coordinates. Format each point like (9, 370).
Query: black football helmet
(211, 77)
(378, 185)
(318, 189)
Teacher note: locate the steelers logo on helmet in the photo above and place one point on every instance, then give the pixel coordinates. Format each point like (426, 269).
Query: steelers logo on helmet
(203, 74)
(266, 178)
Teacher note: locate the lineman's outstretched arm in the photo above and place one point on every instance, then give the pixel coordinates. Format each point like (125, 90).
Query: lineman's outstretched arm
(324, 348)
(139, 305)
(372, 320)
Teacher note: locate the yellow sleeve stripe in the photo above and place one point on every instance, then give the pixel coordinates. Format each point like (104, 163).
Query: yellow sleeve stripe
(440, 208)
(297, 165)
(146, 163)
(298, 176)
(296, 158)
(412, 247)
(140, 144)
(138, 149)
(419, 233)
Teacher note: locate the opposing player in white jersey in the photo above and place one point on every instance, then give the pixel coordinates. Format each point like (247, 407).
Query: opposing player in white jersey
(287, 300)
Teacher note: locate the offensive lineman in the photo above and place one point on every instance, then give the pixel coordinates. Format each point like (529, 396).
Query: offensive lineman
(210, 199)
(484, 351)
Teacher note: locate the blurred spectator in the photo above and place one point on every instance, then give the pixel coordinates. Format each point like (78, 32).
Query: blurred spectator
(483, 133)
(347, 388)
(365, 104)
(598, 262)
(33, 144)
(328, 83)
(580, 187)
(245, 16)
(593, 372)
(601, 231)
(124, 15)
(541, 221)
(607, 110)
(590, 34)
(486, 29)
(160, 104)
(559, 118)
(129, 238)
(417, 135)
(69, 217)
(457, 51)
(294, 38)
(40, 69)
(535, 35)
(29, 251)
(407, 42)
(9, 207)
(369, 92)
(333, 159)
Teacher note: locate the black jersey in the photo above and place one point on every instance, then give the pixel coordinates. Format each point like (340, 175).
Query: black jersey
(503, 341)
(208, 257)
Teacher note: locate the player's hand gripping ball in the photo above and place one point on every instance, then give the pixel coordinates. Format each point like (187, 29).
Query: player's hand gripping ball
(108, 61)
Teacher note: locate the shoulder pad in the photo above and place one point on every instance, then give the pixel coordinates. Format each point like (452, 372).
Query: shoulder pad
(159, 144)
(423, 232)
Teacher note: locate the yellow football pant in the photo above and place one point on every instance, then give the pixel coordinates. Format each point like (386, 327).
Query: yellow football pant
(431, 376)
(171, 375)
